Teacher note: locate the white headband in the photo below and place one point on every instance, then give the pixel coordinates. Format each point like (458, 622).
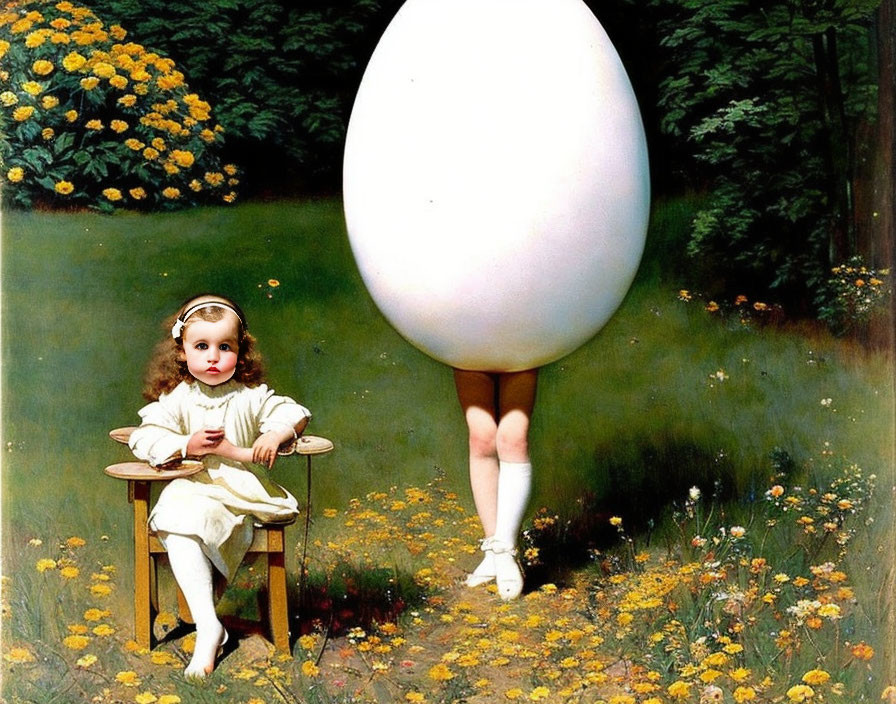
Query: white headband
(178, 326)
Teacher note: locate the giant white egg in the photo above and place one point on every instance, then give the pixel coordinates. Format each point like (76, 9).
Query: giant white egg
(496, 185)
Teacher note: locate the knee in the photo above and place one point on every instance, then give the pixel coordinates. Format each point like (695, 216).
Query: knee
(482, 442)
(512, 444)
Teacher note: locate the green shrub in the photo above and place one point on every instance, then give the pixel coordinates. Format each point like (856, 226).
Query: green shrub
(852, 295)
(89, 120)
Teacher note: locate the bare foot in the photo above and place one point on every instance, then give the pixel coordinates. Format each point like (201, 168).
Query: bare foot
(208, 646)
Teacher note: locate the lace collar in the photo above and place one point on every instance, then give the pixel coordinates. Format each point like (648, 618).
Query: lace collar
(207, 396)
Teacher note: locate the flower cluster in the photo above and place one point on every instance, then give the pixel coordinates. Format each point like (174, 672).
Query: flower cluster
(91, 119)
(853, 293)
(741, 308)
(719, 618)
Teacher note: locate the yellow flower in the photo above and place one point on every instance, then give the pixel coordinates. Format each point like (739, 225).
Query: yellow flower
(32, 87)
(539, 693)
(95, 614)
(22, 25)
(90, 82)
(862, 651)
(119, 82)
(134, 144)
(816, 677)
(76, 642)
(743, 694)
(712, 306)
(615, 521)
(8, 99)
(103, 630)
(679, 689)
(415, 697)
(800, 693)
(94, 125)
(73, 61)
(195, 185)
(128, 100)
(100, 589)
(35, 39)
(18, 656)
(42, 67)
(145, 698)
(309, 669)
(22, 113)
(86, 661)
(440, 673)
(831, 611)
(119, 126)
(214, 178)
(46, 564)
(137, 193)
(48, 102)
(273, 283)
(162, 657)
(150, 154)
(103, 70)
(112, 194)
(169, 699)
(69, 572)
(171, 193)
(4, 47)
(514, 693)
(128, 678)
(71, 115)
(183, 158)
(15, 174)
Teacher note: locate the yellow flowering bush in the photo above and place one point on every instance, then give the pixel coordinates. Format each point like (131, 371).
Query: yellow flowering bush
(91, 119)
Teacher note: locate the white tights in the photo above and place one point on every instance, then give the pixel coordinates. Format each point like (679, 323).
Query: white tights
(193, 572)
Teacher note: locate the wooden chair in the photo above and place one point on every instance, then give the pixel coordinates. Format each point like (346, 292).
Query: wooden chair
(268, 540)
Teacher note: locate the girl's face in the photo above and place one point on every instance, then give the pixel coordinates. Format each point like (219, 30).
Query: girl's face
(211, 349)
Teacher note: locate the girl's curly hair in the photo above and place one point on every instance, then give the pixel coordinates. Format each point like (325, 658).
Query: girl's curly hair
(167, 369)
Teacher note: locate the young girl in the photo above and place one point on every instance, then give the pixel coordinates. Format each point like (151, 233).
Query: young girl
(497, 408)
(209, 402)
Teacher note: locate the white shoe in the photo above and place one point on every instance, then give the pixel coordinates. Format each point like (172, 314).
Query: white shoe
(508, 574)
(485, 572)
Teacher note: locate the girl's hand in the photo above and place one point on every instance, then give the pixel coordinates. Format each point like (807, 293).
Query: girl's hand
(264, 449)
(204, 442)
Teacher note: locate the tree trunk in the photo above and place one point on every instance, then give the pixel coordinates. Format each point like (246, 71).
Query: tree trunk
(883, 240)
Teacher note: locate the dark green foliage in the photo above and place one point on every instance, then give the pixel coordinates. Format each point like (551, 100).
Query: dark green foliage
(283, 76)
(768, 99)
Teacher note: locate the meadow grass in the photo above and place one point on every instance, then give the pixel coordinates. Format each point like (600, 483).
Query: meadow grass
(666, 397)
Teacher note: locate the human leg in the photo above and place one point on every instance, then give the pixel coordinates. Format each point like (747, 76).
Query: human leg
(476, 393)
(193, 573)
(516, 400)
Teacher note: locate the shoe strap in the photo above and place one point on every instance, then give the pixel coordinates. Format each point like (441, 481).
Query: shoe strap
(498, 547)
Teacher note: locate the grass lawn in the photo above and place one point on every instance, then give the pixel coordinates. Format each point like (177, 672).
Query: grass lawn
(666, 397)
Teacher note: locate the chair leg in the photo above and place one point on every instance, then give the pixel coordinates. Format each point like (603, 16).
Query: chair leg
(139, 494)
(183, 609)
(278, 610)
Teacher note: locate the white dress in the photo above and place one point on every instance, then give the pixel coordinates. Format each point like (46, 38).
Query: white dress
(214, 504)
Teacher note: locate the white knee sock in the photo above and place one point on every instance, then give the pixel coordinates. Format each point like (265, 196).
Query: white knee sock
(193, 572)
(514, 487)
